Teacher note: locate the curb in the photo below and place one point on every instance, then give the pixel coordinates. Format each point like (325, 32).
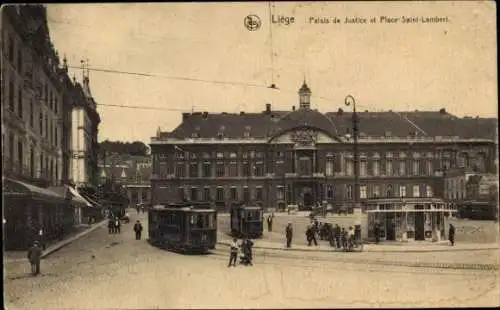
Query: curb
(68, 241)
(380, 251)
(56, 247)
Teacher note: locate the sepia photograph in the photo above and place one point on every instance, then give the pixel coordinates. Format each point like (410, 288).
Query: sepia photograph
(250, 155)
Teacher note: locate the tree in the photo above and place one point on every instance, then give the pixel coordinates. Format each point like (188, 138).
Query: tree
(136, 148)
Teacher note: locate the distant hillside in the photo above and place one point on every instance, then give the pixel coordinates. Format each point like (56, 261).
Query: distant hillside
(135, 148)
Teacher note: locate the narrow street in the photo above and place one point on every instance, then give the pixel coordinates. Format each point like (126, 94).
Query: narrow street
(116, 271)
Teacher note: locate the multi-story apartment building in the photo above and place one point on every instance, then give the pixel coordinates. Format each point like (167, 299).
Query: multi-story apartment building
(132, 172)
(36, 127)
(32, 102)
(303, 156)
(85, 121)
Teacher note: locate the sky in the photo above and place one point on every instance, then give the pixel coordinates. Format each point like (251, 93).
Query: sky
(398, 66)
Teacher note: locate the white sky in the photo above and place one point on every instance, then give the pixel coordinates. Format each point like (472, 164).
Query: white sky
(400, 67)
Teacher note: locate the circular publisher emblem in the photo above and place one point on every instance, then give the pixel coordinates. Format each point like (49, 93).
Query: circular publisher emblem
(252, 22)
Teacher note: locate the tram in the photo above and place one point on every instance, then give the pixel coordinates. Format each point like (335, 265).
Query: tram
(247, 221)
(183, 227)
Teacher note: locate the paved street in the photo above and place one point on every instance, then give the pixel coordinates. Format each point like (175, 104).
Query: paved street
(115, 271)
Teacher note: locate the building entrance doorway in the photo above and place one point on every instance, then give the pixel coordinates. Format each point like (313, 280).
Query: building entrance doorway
(419, 224)
(308, 198)
(390, 227)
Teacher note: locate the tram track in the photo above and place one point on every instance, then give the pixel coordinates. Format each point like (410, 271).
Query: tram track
(364, 261)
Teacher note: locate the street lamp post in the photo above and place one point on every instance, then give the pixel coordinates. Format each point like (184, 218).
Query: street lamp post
(355, 121)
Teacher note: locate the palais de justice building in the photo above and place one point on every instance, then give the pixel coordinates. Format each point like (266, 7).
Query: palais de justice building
(302, 156)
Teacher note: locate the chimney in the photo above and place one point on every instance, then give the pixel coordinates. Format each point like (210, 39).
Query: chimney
(268, 108)
(185, 116)
(340, 111)
(442, 111)
(293, 108)
(242, 112)
(205, 115)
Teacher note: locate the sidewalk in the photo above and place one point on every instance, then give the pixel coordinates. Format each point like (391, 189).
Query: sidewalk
(413, 247)
(19, 256)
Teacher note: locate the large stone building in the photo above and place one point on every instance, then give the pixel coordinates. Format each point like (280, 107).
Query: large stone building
(36, 128)
(303, 156)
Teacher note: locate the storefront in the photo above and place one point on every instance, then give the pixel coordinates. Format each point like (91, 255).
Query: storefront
(28, 209)
(407, 219)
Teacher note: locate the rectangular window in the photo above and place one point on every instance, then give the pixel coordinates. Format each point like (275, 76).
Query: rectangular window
(259, 170)
(376, 168)
(194, 194)
(416, 190)
(349, 170)
(11, 96)
(329, 167)
(20, 103)
(180, 193)
(402, 166)
(429, 167)
(219, 169)
(362, 192)
(207, 170)
(233, 169)
(349, 192)
(280, 193)
(402, 190)
(246, 194)
(193, 170)
(246, 169)
(388, 167)
(220, 194)
(55, 136)
(416, 167)
(180, 170)
(234, 193)
(376, 191)
(258, 194)
(56, 104)
(206, 194)
(20, 60)
(362, 168)
(428, 190)
(329, 191)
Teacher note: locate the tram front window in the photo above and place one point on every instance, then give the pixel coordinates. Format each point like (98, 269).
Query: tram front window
(253, 216)
(202, 221)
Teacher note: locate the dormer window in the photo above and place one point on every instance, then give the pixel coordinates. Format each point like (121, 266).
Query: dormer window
(232, 155)
(220, 135)
(246, 134)
(220, 155)
(222, 128)
(194, 135)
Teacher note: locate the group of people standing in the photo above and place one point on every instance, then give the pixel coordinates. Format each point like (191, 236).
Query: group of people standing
(114, 224)
(245, 250)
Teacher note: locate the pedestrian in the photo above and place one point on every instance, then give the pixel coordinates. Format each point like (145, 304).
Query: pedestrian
(269, 223)
(34, 256)
(41, 237)
(289, 235)
(376, 232)
(111, 225)
(138, 230)
(233, 252)
(117, 224)
(249, 246)
(311, 234)
(343, 235)
(338, 236)
(137, 208)
(451, 234)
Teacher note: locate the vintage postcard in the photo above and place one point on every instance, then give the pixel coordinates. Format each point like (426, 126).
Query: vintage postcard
(230, 155)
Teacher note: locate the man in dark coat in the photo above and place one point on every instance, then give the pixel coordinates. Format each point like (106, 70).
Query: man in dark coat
(376, 232)
(289, 235)
(111, 225)
(338, 236)
(34, 257)
(269, 223)
(138, 230)
(451, 235)
(118, 224)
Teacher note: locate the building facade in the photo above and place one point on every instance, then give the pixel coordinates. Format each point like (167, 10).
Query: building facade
(36, 129)
(132, 172)
(302, 156)
(85, 122)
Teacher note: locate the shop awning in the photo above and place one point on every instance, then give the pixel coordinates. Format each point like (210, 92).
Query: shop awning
(79, 198)
(17, 189)
(76, 198)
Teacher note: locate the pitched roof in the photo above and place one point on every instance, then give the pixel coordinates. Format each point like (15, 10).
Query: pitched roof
(375, 124)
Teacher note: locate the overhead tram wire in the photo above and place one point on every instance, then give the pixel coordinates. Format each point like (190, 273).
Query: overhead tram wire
(172, 77)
